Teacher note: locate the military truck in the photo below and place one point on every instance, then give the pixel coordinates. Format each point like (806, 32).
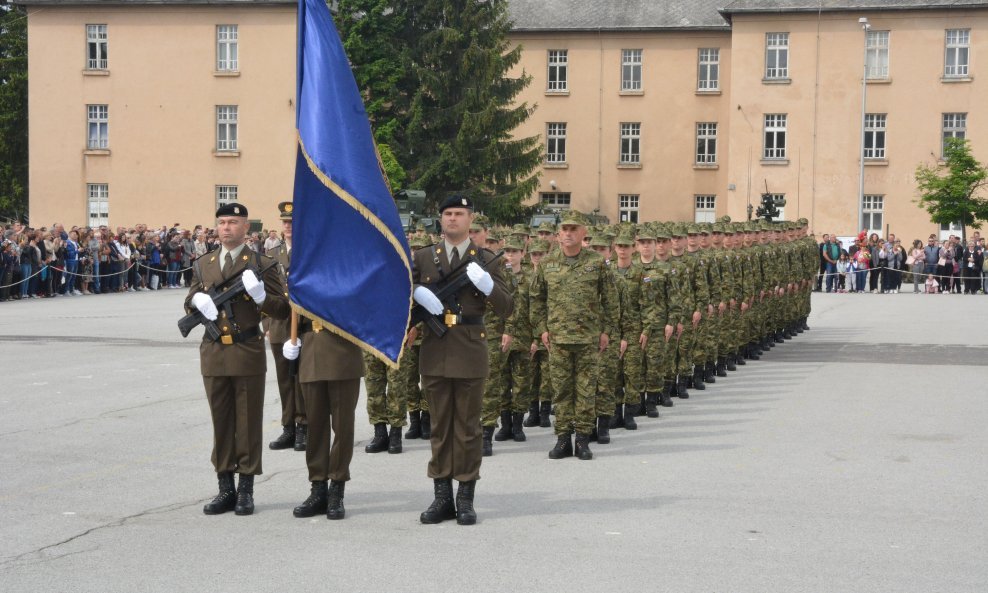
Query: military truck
(411, 210)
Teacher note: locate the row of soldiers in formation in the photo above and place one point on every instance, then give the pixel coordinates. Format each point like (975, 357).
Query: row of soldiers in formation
(681, 305)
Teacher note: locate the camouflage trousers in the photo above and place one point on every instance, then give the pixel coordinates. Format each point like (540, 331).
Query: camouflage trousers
(661, 361)
(607, 379)
(383, 406)
(571, 369)
(508, 384)
(541, 382)
(705, 349)
(686, 348)
(631, 372)
(404, 380)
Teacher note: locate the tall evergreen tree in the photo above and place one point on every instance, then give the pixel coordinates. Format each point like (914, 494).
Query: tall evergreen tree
(13, 112)
(463, 111)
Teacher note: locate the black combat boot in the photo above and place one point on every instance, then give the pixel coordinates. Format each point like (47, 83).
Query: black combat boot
(583, 447)
(414, 425)
(245, 496)
(603, 429)
(286, 439)
(806, 327)
(504, 433)
(488, 447)
(301, 437)
(780, 337)
(739, 357)
(465, 515)
(664, 400)
(380, 441)
(710, 372)
(698, 378)
(442, 507)
(640, 408)
(651, 404)
(394, 440)
(334, 500)
(315, 504)
(544, 412)
(721, 367)
(629, 417)
(681, 391)
(563, 448)
(533, 415)
(426, 426)
(517, 430)
(729, 362)
(752, 352)
(617, 420)
(227, 497)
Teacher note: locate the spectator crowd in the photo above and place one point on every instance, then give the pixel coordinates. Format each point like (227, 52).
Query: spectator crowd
(49, 261)
(877, 265)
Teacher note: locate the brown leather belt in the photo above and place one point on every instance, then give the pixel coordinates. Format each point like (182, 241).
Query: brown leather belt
(244, 336)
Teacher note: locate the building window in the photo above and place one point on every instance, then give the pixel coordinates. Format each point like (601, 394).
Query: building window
(706, 143)
(226, 48)
(954, 126)
(874, 136)
(225, 194)
(871, 212)
(555, 149)
(705, 209)
(96, 47)
(708, 74)
(631, 69)
(631, 136)
(628, 208)
(226, 127)
(775, 136)
(99, 132)
(957, 53)
(776, 55)
(555, 199)
(877, 57)
(558, 65)
(98, 200)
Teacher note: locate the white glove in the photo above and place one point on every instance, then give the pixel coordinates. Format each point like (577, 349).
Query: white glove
(253, 286)
(428, 299)
(481, 278)
(206, 306)
(290, 351)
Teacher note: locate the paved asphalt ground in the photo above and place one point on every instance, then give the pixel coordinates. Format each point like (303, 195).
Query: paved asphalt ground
(852, 459)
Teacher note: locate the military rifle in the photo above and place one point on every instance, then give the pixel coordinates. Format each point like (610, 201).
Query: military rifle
(223, 295)
(446, 288)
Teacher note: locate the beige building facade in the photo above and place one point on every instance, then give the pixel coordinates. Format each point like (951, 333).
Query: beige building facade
(154, 112)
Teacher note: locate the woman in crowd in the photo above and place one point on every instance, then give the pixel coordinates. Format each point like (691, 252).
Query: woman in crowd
(843, 266)
(945, 266)
(862, 258)
(879, 261)
(123, 246)
(71, 264)
(30, 264)
(175, 254)
(972, 260)
(893, 274)
(9, 261)
(918, 255)
(85, 262)
(96, 253)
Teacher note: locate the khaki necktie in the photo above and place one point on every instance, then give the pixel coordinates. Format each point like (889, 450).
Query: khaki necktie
(454, 259)
(227, 265)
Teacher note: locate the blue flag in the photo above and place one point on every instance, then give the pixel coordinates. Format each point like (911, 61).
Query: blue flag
(351, 267)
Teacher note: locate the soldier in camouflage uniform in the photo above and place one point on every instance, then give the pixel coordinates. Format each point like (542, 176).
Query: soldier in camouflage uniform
(664, 322)
(607, 362)
(541, 403)
(496, 389)
(406, 379)
(516, 339)
(694, 296)
(631, 371)
(384, 407)
(573, 304)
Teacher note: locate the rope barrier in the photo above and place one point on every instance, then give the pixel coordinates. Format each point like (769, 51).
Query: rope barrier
(83, 274)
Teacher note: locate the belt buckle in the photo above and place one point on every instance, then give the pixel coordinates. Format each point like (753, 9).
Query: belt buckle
(226, 340)
(451, 319)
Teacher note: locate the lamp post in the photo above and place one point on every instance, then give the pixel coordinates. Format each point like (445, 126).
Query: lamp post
(865, 26)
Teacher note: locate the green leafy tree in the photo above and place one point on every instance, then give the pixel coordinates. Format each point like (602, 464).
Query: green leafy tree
(13, 112)
(953, 191)
(463, 111)
(371, 34)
